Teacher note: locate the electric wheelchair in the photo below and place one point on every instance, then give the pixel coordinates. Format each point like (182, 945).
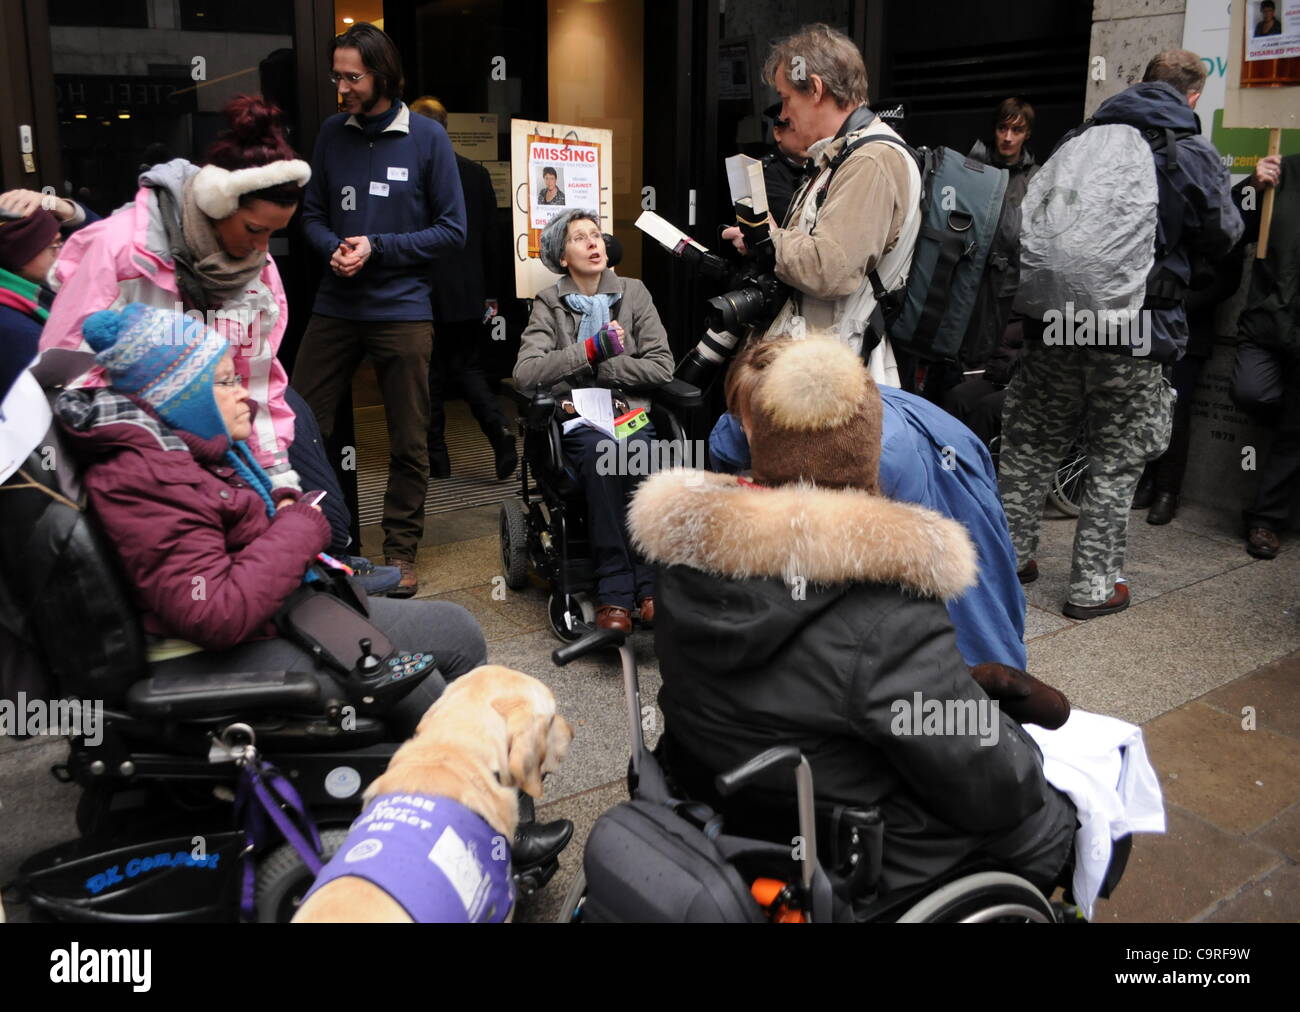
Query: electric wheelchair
(190, 782)
(544, 531)
(667, 856)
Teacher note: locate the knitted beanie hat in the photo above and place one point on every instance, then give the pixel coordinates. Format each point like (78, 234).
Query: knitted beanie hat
(814, 415)
(165, 358)
(22, 240)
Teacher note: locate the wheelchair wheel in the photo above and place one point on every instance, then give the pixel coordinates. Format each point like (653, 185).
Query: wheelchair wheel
(283, 879)
(1066, 490)
(989, 896)
(571, 624)
(514, 543)
(571, 907)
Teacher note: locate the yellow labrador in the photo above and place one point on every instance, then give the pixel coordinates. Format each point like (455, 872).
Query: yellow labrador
(492, 731)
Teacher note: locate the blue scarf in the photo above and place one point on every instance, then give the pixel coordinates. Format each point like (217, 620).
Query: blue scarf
(246, 466)
(594, 310)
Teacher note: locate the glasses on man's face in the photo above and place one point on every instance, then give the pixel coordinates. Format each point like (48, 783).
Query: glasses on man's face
(350, 78)
(229, 383)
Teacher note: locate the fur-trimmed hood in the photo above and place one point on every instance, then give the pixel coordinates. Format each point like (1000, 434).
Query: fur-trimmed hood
(721, 526)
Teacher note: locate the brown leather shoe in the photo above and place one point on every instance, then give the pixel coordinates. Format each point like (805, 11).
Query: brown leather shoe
(1030, 573)
(611, 616)
(1263, 543)
(408, 584)
(1118, 602)
(646, 611)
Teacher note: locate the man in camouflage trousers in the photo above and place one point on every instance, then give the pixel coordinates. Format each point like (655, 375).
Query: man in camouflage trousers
(1116, 395)
(1126, 407)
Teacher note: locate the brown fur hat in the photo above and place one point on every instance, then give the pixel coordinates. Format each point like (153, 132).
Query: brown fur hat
(812, 412)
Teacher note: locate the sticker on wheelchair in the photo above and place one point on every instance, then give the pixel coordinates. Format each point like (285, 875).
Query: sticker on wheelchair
(625, 425)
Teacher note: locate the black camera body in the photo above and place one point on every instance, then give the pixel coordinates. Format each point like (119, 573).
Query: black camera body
(753, 298)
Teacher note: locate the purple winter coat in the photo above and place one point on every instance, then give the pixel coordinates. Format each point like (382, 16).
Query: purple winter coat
(205, 561)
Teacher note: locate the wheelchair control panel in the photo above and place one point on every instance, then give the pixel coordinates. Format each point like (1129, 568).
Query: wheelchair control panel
(380, 680)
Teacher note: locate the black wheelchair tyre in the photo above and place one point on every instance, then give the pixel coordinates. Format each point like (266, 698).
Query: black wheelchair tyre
(514, 543)
(283, 879)
(581, 617)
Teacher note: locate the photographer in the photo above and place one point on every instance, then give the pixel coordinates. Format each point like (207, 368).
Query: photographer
(860, 211)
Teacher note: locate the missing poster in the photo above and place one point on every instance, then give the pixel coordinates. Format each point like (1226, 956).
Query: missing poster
(562, 174)
(1272, 30)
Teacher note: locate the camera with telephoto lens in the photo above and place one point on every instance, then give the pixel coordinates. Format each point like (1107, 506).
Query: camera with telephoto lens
(753, 296)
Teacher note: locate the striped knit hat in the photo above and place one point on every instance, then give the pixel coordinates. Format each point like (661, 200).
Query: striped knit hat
(165, 358)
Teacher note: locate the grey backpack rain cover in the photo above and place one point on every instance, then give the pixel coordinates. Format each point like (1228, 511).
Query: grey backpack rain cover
(1088, 231)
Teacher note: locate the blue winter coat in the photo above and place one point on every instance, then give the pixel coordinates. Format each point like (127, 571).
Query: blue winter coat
(916, 466)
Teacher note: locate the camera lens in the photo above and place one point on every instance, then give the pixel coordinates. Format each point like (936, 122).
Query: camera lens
(735, 310)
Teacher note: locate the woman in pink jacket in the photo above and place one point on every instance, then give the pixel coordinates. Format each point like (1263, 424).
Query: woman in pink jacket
(195, 240)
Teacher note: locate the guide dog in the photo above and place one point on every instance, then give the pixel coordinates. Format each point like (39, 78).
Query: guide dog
(492, 731)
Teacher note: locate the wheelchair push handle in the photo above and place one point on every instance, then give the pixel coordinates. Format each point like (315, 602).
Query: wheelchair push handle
(597, 640)
(781, 756)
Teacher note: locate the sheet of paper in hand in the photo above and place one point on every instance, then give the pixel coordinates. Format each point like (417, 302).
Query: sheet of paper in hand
(595, 407)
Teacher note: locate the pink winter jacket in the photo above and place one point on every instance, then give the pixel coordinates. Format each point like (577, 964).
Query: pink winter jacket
(109, 264)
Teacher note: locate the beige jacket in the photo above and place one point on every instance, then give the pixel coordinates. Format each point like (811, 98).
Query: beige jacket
(550, 356)
(869, 219)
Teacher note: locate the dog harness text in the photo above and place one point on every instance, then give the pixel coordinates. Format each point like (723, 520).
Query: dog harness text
(442, 862)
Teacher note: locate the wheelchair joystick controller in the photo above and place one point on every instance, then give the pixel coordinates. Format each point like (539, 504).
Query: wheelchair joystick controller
(378, 679)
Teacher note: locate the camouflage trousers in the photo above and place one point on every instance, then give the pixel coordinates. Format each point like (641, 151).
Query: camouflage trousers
(1124, 408)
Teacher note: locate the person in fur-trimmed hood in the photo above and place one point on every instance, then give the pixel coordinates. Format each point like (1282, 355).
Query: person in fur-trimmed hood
(803, 608)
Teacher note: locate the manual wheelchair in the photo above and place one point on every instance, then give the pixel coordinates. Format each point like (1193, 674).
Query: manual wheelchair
(171, 824)
(544, 531)
(735, 878)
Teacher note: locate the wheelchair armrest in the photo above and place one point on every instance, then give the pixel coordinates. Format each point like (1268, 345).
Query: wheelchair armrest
(522, 396)
(536, 405)
(195, 695)
(679, 394)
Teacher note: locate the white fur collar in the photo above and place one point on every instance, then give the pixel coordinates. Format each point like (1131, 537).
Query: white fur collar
(713, 523)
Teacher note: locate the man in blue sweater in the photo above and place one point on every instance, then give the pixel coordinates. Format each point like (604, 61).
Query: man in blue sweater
(383, 201)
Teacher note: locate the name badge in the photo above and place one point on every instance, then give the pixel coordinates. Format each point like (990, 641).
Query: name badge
(397, 172)
(378, 189)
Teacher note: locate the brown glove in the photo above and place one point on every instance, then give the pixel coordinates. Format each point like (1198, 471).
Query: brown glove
(1022, 696)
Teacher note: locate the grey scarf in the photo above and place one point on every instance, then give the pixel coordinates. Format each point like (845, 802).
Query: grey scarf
(205, 274)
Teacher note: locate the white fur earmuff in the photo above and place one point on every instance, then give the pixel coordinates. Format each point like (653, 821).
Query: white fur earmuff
(217, 190)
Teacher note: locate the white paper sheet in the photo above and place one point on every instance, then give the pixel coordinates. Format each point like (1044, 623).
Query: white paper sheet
(24, 419)
(664, 232)
(745, 178)
(595, 405)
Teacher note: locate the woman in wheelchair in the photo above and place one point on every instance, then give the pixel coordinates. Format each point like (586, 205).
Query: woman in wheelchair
(803, 608)
(210, 547)
(575, 339)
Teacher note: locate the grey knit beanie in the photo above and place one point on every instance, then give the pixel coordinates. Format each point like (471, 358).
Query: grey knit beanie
(553, 236)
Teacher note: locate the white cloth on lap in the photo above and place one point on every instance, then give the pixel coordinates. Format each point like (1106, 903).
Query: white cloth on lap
(1101, 764)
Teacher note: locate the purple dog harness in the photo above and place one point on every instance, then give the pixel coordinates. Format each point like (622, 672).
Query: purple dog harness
(442, 862)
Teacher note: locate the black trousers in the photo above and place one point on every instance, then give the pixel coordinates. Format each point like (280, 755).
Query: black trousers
(622, 577)
(307, 456)
(1266, 382)
(1168, 471)
(456, 358)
